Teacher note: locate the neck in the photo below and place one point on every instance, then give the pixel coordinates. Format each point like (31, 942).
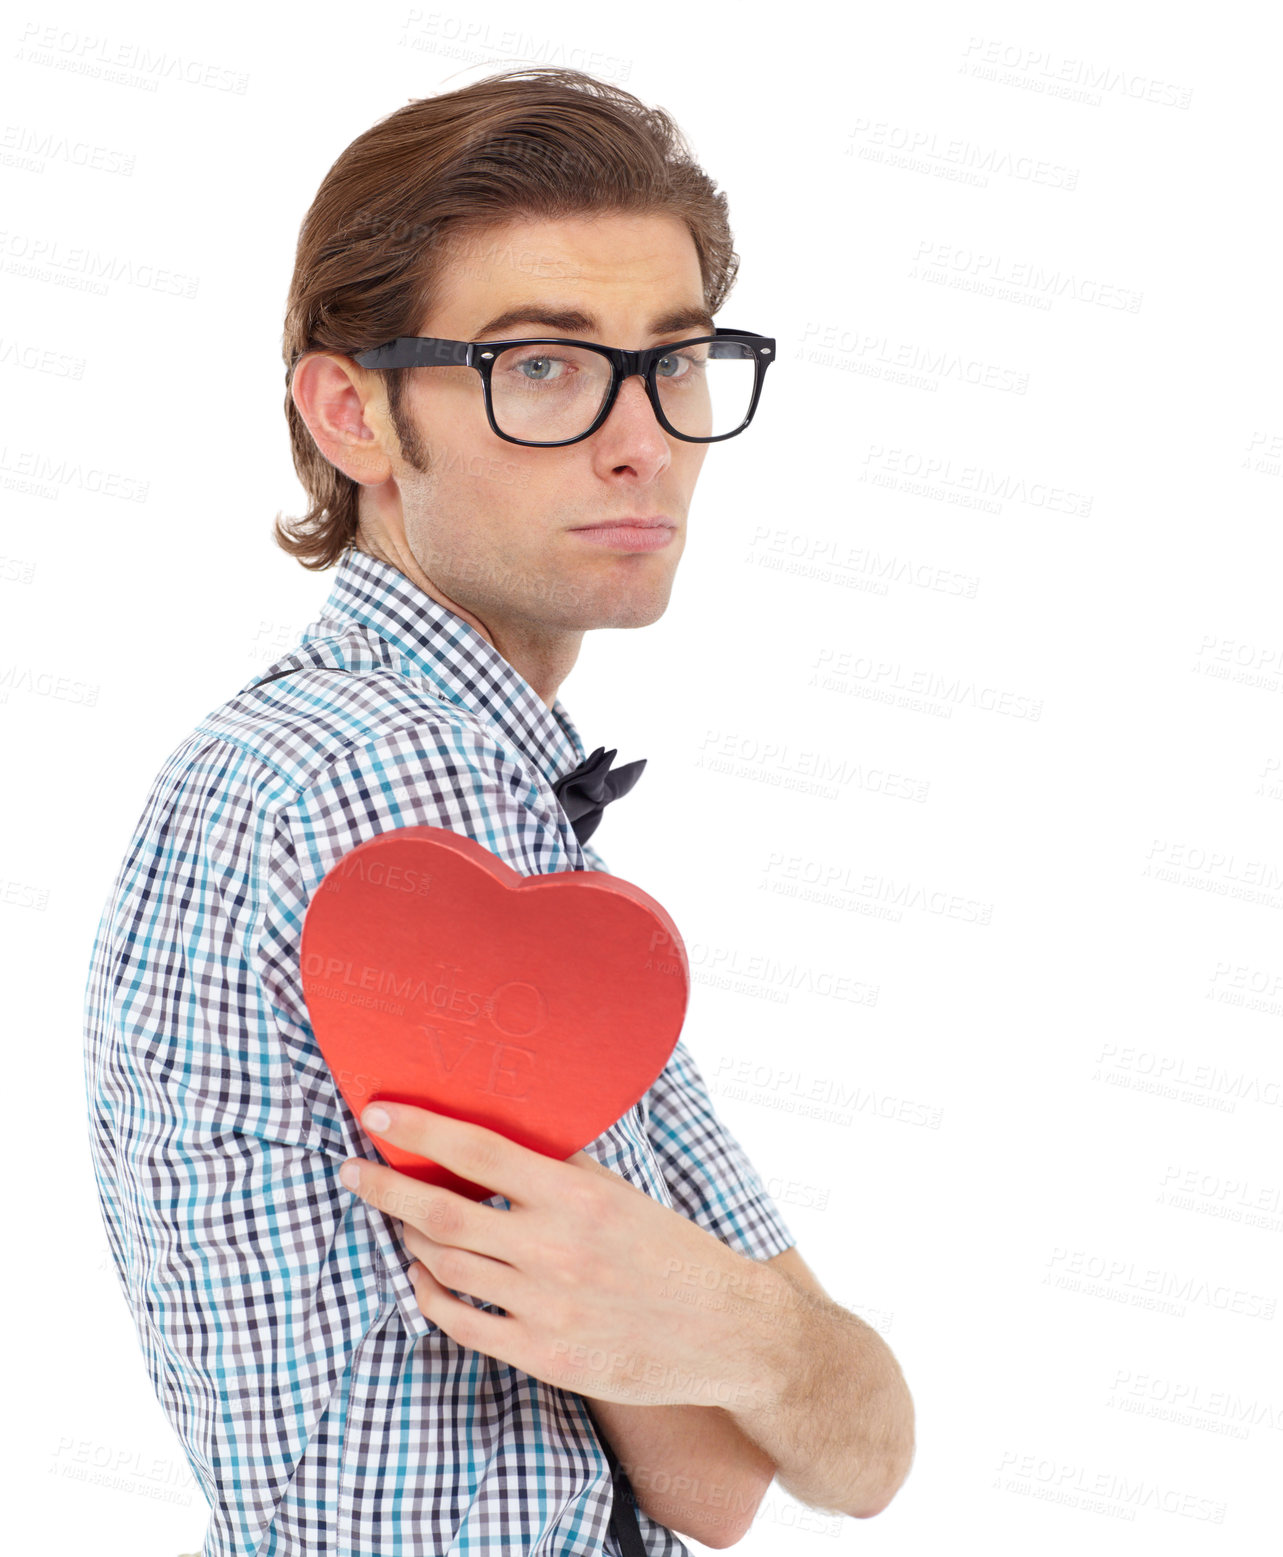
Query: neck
(543, 656)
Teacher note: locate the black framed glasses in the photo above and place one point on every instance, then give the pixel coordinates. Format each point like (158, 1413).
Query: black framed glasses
(702, 390)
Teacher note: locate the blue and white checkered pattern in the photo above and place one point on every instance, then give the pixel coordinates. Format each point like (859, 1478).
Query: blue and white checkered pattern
(321, 1412)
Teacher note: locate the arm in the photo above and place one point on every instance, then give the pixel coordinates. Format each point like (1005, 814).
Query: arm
(691, 1467)
(843, 1433)
(839, 1428)
(840, 1424)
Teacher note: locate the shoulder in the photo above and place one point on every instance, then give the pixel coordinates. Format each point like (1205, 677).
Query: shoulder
(331, 699)
(350, 743)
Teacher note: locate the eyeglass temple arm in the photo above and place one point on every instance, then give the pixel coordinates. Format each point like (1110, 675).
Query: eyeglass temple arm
(415, 351)
(728, 348)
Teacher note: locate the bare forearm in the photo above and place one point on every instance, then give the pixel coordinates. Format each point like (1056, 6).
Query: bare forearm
(691, 1467)
(838, 1421)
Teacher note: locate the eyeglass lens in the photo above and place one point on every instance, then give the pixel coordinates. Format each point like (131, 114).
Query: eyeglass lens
(543, 394)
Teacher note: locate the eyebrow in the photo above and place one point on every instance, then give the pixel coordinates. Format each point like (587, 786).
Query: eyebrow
(574, 319)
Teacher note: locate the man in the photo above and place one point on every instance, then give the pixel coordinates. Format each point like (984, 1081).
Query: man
(639, 1305)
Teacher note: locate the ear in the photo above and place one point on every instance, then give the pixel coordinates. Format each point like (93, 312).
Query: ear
(341, 405)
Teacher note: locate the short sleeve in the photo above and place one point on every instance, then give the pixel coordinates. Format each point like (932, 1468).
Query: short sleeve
(707, 1171)
(423, 775)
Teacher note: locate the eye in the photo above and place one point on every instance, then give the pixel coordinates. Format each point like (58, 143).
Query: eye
(539, 368)
(543, 368)
(679, 365)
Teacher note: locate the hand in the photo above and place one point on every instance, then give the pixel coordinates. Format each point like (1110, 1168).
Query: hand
(595, 1276)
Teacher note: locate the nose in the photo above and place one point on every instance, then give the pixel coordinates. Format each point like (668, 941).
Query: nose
(631, 437)
(633, 396)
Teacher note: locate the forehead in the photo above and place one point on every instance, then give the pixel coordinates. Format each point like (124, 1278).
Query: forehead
(617, 263)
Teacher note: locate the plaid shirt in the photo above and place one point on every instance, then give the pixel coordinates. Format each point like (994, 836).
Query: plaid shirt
(321, 1412)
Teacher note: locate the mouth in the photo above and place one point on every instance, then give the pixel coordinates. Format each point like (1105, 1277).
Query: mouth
(650, 534)
(658, 522)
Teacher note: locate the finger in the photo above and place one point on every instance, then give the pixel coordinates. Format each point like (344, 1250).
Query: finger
(440, 1213)
(471, 1150)
(491, 1334)
(490, 1281)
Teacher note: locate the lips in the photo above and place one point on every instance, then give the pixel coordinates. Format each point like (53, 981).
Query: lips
(660, 522)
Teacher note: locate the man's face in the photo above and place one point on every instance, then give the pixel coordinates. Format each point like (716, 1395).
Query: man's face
(493, 524)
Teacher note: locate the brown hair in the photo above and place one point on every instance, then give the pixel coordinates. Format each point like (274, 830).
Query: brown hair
(522, 143)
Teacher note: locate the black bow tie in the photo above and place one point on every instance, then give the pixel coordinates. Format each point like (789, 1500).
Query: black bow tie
(587, 790)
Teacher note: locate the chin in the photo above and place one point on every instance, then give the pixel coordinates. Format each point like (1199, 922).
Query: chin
(637, 612)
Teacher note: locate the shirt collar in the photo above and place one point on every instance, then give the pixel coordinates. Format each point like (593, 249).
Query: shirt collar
(438, 644)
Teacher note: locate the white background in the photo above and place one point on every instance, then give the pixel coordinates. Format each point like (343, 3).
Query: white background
(1042, 1156)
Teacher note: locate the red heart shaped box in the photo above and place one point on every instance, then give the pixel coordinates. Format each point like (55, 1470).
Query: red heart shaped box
(542, 1007)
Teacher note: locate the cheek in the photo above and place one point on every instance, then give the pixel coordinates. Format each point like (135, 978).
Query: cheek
(690, 458)
(452, 414)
